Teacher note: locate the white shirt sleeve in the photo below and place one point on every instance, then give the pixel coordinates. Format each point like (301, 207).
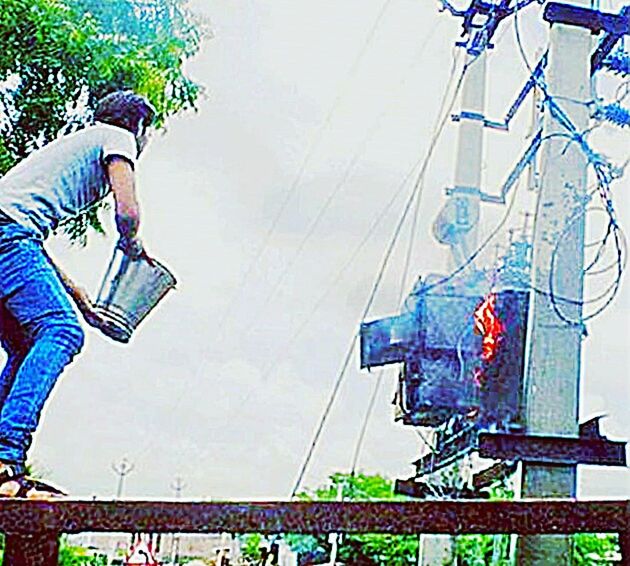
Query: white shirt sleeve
(119, 142)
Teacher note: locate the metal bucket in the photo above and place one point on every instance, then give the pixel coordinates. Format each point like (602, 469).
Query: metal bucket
(130, 290)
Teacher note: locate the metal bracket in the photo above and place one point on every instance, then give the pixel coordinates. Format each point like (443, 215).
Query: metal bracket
(607, 44)
(504, 126)
(496, 473)
(480, 34)
(448, 449)
(588, 18)
(423, 490)
(484, 197)
(464, 115)
(614, 25)
(590, 448)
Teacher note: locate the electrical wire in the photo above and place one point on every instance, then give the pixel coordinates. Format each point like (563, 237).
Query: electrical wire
(612, 228)
(305, 162)
(379, 277)
(370, 232)
(444, 280)
(379, 380)
(314, 144)
(604, 174)
(338, 188)
(366, 420)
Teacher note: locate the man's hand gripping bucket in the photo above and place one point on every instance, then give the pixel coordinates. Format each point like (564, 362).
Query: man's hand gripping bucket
(130, 290)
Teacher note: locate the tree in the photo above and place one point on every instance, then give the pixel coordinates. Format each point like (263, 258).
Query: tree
(70, 555)
(392, 550)
(60, 56)
(366, 549)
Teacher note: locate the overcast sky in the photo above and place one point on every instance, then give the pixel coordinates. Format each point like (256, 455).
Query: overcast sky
(225, 383)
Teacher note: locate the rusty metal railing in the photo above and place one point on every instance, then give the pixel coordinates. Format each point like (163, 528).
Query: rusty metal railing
(33, 528)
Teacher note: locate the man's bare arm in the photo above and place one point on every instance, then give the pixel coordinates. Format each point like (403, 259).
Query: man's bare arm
(122, 181)
(79, 296)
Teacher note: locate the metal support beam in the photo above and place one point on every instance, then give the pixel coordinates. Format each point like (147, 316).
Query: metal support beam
(32, 527)
(614, 25)
(588, 18)
(453, 447)
(552, 450)
(24, 518)
(496, 473)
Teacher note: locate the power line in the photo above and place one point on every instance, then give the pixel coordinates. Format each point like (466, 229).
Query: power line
(286, 347)
(379, 380)
(371, 230)
(338, 188)
(222, 325)
(379, 277)
(366, 420)
(321, 213)
(307, 158)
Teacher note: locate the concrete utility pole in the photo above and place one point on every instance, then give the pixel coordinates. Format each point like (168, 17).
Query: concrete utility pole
(553, 372)
(457, 223)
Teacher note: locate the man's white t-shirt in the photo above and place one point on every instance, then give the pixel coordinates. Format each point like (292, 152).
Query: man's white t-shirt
(64, 177)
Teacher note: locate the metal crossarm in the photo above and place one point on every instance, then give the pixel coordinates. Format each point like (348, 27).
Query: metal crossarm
(526, 158)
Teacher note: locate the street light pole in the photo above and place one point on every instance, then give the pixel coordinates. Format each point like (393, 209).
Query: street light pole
(178, 486)
(122, 470)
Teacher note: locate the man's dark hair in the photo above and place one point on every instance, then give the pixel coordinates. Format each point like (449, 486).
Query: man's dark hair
(125, 109)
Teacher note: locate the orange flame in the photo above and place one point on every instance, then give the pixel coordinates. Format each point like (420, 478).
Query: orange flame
(487, 324)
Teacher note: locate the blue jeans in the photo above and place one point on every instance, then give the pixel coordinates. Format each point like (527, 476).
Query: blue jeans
(39, 332)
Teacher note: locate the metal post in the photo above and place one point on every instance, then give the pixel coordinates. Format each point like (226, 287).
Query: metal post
(624, 546)
(178, 486)
(40, 549)
(457, 223)
(553, 372)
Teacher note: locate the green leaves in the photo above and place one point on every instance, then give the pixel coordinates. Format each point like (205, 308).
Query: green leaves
(78, 556)
(393, 550)
(59, 49)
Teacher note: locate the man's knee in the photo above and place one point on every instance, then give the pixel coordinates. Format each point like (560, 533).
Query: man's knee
(73, 335)
(66, 333)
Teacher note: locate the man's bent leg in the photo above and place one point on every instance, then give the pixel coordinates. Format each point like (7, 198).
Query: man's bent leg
(42, 308)
(15, 343)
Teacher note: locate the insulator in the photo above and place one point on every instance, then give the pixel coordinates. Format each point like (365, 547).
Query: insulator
(615, 114)
(618, 62)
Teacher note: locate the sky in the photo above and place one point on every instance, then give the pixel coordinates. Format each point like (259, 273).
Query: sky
(271, 207)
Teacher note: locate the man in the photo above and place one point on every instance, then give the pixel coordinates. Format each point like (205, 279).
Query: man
(38, 328)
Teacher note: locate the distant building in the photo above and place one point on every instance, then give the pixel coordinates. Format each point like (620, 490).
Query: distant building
(167, 548)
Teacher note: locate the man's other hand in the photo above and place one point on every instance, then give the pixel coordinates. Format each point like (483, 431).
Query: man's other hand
(86, 308)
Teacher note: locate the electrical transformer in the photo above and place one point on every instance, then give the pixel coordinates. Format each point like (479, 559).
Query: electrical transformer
(461, 353)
